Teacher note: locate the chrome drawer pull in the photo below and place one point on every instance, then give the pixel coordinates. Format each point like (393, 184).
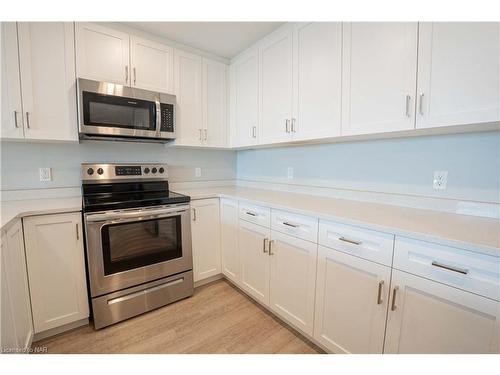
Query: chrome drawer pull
(264, 245)
(250, 213)
(354, 242)
(463, 271)
(379, 296)
(270, 247)
(393, 306)
(291, 225)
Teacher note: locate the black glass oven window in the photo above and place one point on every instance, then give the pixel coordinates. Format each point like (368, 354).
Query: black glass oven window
(140, 243)
(118, 112)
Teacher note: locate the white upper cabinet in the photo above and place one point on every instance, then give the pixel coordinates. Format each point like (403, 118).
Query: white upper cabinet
(152, 65)
(102, 54)
(317, 80)
(458, 73)
(214, 103)
(379, 77)
(245, 99)
(276, 86)
(430, 317)
(47, 66)
(188, 88)
(12, 111)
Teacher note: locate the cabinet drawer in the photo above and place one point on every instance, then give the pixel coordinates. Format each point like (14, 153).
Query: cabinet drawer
(255, 214)
(304, 227)
(364, 243)
(474, 272)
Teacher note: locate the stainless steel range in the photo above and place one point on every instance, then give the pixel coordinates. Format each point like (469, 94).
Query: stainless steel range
(138, 240)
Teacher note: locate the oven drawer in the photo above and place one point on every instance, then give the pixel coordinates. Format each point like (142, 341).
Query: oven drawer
(115, 307)
(363, 243)
(255, 214)
(304, 227)
(473, 272)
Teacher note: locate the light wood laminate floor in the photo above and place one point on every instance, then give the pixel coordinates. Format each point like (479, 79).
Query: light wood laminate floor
(217, 319)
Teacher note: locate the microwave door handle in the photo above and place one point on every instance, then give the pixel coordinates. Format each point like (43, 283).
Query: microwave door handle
(158, 117)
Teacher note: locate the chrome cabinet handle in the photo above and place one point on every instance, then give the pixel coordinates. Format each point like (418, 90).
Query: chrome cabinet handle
(264, 245)
(15, 120)
(393, 305)
(287, 125)
(354, 242)
(421, 105)
(293, 126)
(379, 295)
(270, 247)
(206, 134)
(194, 214)
(199, 138)
(463, 271)
(250, 213)
(407, 112)
(290, 224)
(254, 131)
(126, 73)
(28, 120)
(77, 233)
(135, 76)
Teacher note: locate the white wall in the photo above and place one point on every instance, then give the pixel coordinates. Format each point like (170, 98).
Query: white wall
(20, 162)
(403, 166)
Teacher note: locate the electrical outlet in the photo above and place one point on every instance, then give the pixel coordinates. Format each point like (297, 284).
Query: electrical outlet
(197, 172)
(440, 180)
(289, 173)
(45, 174)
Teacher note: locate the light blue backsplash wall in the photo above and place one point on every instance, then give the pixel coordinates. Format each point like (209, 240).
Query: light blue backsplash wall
(20, 162)
(402, 166)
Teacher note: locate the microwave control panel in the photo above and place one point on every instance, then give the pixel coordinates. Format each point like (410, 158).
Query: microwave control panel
(167, 117)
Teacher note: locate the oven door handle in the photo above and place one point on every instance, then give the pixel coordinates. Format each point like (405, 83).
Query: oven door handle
(136, 215)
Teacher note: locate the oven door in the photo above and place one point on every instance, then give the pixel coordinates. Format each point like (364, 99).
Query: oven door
(130, 247)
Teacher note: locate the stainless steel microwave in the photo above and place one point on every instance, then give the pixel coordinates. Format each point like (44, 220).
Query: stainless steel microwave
(117, 112)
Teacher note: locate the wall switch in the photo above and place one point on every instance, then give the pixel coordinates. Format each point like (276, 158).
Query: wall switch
(197, 172)
(440, 180)
(45, 174)
(289, 173)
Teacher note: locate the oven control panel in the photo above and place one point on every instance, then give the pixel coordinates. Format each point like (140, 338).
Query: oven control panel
(92, 173)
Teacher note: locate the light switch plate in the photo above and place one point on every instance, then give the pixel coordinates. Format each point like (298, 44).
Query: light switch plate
(197, 172)
(440, 180)
(289, 173)
(45, 174)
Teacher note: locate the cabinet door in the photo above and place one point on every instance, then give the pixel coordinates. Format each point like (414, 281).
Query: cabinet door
(17, 282)
(229, 239)
(205, 229)
(102, 54)
(458, 73)
(254, 260)
(214, 103)
(187, 77)
(12, 111)
(152, 65)
(245, 99)
(8, 339)
(430, 317)
(293, 279)
(276, 87)
(47, 60)
(351, 303)
(378, 77)
(317, 80)
(56, 269)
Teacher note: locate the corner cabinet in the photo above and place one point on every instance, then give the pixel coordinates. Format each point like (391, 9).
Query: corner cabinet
(205, 233)
(56, 269)
(39, 97)
(16, 320)
(458, 73)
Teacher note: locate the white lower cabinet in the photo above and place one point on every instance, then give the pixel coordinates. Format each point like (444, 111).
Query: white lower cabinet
(56, 269)
(254, 260)
(430, 317)
(16, 322)
(293, 279)
(351, 302)
(230, 256)
(205, 232)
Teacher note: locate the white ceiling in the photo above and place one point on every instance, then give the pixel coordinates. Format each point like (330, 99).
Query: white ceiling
(225, 39)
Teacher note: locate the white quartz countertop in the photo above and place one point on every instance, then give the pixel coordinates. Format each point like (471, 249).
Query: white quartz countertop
(464, 231)
(11, 210)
